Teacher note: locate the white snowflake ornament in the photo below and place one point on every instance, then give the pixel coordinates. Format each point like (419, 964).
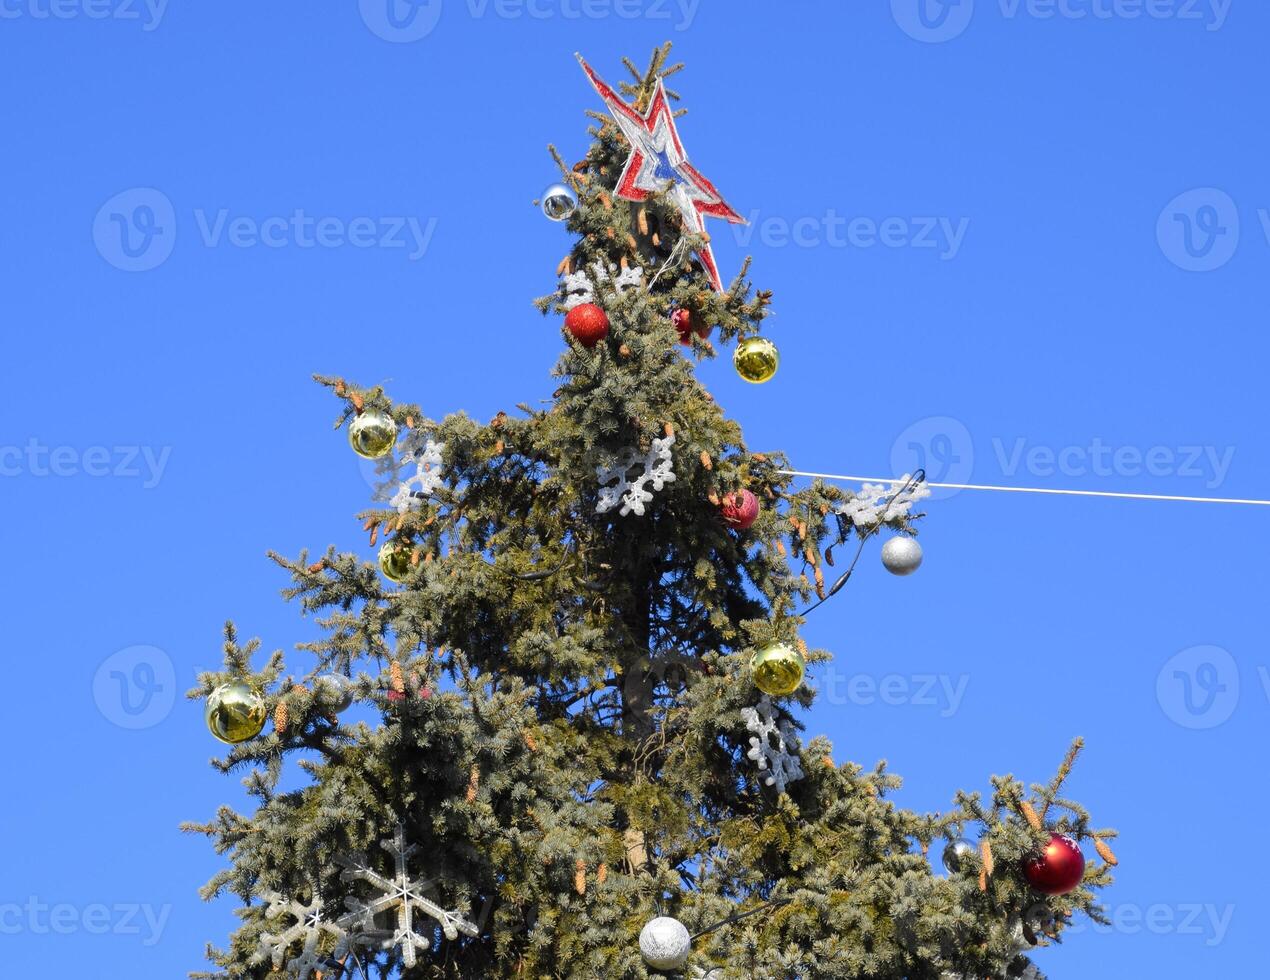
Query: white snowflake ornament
(876, 503)
(308, 929)
(774, 746)
(429, 471)
(402, 896)
(617, 488)
(579, 287)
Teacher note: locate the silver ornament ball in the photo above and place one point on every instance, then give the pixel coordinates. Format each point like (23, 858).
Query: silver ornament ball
(955, 855)
(902, 555)
(665, 944)
(336, 691)
(558, 202)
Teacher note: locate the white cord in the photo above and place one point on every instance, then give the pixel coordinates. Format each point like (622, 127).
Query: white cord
(1051, 490)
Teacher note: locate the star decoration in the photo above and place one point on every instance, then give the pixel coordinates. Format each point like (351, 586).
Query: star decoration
(403, 897)
(658, 159)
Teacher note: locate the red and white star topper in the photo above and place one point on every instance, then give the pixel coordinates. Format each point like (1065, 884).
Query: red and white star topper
(658, 159)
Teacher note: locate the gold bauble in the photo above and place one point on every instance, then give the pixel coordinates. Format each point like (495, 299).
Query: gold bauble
(778, 669)
(235, 713)
(394, 560)
(372, 434)
(756, 359)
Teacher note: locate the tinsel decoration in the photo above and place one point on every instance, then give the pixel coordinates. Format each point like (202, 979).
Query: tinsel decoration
(427, 478)
(877, 504)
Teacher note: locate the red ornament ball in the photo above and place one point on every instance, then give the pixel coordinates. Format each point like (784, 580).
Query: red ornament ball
(1057, 869)
(740, 510)
(588, 323)
(687, 323)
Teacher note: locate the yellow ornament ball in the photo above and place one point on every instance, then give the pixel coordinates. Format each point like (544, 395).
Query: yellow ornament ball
(394, 560)
(235, 713)
(756, 359)
(778, 669)
(372, 434)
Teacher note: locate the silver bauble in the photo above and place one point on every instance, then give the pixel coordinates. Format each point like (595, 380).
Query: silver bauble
(665, 944)
(336, 692)
(902, 555)
(955, 855)
(558, 202)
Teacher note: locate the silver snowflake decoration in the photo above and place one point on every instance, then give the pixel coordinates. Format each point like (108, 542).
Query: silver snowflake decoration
(774, 746)
(579, 287)
(877, 504)
(404, 898)
(616, 487)
(429, 471)
(308, 929)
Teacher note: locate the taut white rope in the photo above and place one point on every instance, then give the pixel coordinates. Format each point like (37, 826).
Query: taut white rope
(1050, 490)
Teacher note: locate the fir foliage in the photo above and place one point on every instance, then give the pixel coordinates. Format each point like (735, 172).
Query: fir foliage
(560, 692)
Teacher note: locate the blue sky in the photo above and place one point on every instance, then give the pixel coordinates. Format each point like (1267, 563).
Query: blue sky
(1024, 241)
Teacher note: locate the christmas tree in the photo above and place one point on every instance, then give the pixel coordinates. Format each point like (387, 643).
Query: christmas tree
(554, 731)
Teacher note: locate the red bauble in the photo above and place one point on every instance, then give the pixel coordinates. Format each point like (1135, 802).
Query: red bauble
(1058, 869)
(740, 510)
(687, 323)
(588, 323)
